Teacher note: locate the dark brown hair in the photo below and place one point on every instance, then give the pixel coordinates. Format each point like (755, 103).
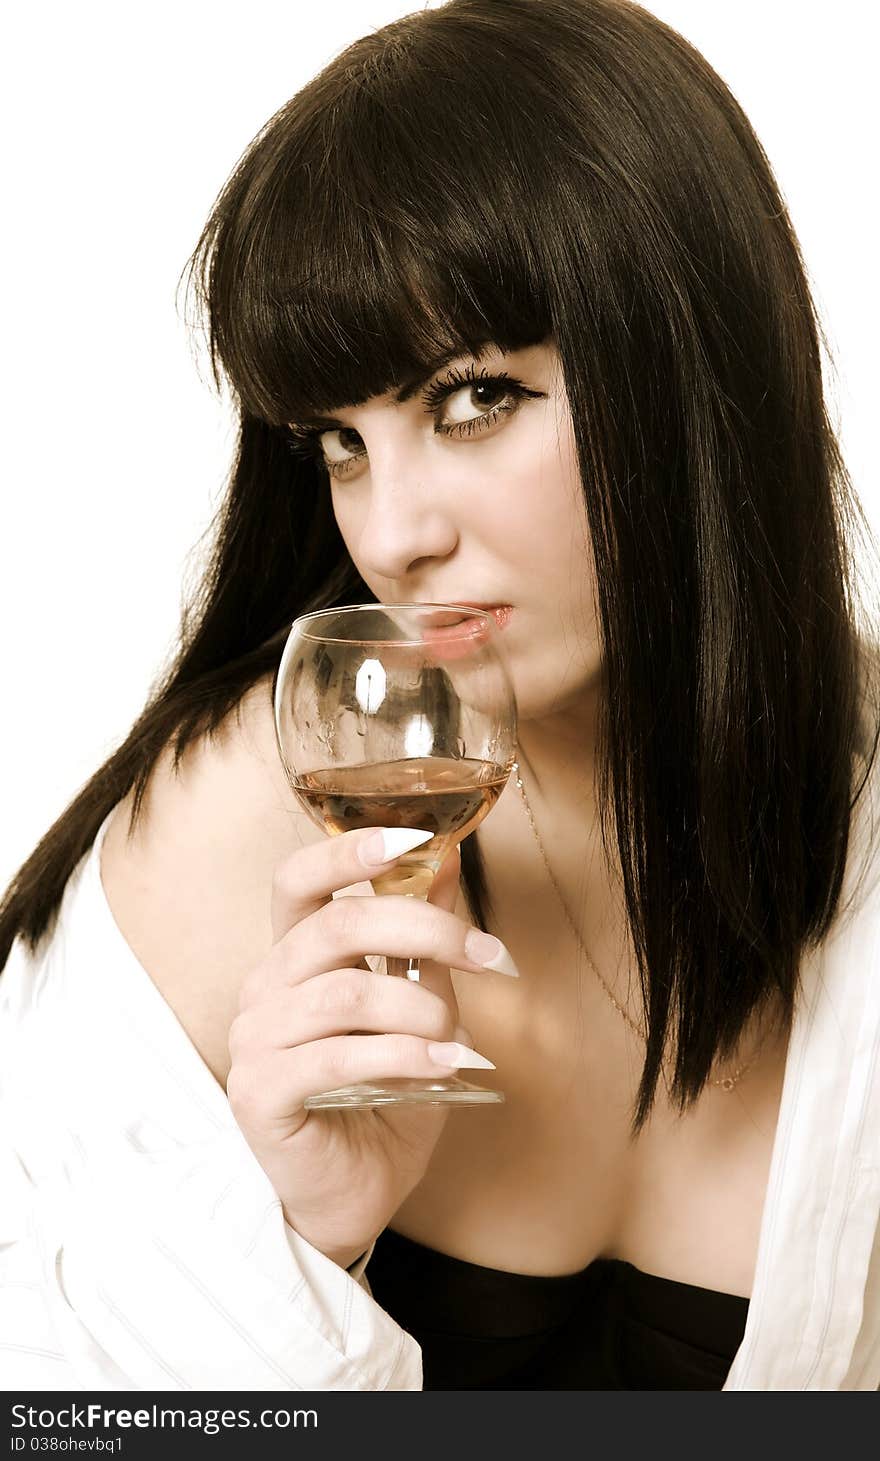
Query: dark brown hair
(570, 170)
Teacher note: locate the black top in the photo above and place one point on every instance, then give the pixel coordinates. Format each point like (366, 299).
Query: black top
(610, 1327)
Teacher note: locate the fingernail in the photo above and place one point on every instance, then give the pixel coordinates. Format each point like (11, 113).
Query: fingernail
(458, 1056)
(386, 843)
(484, 948)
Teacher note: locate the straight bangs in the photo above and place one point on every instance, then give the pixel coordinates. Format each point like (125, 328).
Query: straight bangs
(318, 280)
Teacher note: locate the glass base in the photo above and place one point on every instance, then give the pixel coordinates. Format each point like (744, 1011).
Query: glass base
(404, 1093)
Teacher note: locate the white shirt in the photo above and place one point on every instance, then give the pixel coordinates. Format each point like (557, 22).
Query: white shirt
(143, 1247)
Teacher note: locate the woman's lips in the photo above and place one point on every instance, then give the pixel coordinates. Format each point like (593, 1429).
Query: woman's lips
(500, 612)
(463, 632)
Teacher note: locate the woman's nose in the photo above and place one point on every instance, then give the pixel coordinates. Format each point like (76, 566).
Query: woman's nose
(407, 518)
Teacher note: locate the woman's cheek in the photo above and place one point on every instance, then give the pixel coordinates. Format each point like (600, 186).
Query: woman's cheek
(346, 521)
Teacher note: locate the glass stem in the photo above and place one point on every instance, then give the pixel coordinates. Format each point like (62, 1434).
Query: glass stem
(407, 968)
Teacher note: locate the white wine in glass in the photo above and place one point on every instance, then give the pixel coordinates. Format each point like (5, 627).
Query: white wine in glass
(397, 715)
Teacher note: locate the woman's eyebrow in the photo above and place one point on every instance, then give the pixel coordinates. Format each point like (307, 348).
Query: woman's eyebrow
(405, 392)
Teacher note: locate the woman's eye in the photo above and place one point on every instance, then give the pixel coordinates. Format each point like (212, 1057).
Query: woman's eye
(340, 445)
(473, 400)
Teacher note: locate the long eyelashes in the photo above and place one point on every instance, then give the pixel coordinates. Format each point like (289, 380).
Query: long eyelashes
(306, 440)
(436, 392)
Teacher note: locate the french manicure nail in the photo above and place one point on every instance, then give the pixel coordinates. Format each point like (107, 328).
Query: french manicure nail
(484, 948)
(386, 843)
(458, 1056)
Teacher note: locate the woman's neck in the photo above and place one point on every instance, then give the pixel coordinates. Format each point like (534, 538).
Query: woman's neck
(557, 759)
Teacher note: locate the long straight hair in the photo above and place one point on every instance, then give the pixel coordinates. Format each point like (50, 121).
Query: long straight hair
(515, 171)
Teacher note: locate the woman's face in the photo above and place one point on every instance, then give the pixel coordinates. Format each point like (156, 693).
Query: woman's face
(468, 491)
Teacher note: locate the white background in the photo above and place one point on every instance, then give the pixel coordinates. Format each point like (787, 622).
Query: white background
(121, 124)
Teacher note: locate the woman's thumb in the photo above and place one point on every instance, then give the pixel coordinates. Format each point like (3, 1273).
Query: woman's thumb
(444, 889)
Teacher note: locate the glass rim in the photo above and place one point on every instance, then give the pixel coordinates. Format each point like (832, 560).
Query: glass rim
(481, 614)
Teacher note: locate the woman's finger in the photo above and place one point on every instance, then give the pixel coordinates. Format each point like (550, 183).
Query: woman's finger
(340, 932)
(340, 1003)
(306, 879)
(273, 1091)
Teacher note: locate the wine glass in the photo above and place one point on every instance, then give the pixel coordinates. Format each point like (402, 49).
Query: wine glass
(397, 715)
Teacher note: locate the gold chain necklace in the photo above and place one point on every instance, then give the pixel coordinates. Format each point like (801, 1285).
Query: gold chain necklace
(727, 1082)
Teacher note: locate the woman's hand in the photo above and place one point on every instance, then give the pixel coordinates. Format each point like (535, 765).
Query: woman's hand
(342, 1174)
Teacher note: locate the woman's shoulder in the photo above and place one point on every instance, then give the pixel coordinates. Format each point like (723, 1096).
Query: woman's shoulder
(189, 886)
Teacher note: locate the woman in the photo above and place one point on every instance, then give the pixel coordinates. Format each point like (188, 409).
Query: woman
(513, 314)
